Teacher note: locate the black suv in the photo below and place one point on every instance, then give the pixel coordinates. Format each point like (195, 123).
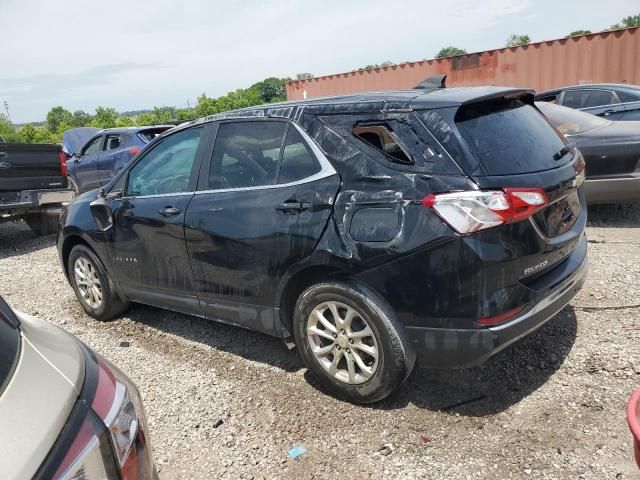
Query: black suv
(446, 223)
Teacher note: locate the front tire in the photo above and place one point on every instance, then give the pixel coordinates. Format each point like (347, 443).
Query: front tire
(92, 285)
(351, 341)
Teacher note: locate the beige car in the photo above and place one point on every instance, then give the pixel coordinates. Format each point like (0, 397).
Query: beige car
(65, 412)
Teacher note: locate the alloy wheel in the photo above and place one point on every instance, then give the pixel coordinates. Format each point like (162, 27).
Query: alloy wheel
(343, 342)
(88, 282)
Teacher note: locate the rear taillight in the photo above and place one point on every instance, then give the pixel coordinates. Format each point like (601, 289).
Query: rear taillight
(63, 163)
(468, 212)
(111, 441)
(134, 151)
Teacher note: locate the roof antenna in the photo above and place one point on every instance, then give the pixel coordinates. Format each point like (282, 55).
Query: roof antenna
(434, 81)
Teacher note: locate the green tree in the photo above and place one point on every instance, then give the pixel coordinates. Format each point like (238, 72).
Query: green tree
(631, 21)
(105, 118)
(7, 130)
(577, 33)
(450, 52)
(186, 114)
(56, 116)
(122, 122)
(271, 89)
(80, 119)
(304, 76)
(514, 40)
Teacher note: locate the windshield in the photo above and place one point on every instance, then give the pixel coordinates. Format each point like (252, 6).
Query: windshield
(509, 137)
(9, 344)
(569, 121)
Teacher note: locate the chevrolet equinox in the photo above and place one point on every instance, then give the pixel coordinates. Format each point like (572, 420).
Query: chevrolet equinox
(441, 224)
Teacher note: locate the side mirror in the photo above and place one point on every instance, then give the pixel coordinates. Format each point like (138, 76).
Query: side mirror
(101, 212)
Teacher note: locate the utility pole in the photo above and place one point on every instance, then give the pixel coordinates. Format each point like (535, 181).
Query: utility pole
(6, 108)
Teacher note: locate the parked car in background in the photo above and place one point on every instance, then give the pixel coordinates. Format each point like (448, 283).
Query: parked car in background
(448, 229)
(66, 412)
(616, 101)
(611, 151)
(33, 185)
(95, 156)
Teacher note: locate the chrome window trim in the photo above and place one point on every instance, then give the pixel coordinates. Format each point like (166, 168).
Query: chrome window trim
(326, 170)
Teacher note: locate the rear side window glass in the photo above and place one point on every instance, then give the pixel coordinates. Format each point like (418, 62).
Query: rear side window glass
(167, 168)
(113, 142)
(298, 161)
(587, 98)
(246, 154)
(509, 137)
(628, 97)
(382, 138)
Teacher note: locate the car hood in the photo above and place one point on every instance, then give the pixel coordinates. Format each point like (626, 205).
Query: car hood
(38, 400)
(76, 138)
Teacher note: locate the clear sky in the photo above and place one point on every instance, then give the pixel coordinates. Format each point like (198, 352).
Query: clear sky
(137, 54)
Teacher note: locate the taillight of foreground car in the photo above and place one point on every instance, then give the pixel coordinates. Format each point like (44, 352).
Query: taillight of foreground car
(63, 163)
(470, 211)
(112, 440)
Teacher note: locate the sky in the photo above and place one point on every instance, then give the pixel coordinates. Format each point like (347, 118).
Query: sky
(137, 54)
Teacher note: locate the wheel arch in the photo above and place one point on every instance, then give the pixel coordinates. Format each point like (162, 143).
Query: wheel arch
(67, 245)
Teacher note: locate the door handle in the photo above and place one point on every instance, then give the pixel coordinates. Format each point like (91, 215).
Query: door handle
(293, 207)
(169, 211)
(3, 154)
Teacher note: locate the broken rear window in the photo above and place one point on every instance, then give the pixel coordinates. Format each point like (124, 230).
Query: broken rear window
(149, 134)
(382, 138)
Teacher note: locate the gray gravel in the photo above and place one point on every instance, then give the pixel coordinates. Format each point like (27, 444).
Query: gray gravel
(224, 402)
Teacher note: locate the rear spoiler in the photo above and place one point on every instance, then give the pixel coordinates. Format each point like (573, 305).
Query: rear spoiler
(524, 94)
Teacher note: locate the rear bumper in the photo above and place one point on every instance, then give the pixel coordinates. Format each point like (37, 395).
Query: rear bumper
(458, 348)
(610, 190)
(35, 198)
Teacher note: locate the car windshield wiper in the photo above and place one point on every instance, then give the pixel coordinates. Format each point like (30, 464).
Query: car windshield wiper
(563, 151)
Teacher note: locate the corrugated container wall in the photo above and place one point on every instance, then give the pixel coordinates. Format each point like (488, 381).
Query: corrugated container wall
(612, 56)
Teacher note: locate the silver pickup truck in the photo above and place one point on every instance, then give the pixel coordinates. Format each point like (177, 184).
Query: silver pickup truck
(33, 184)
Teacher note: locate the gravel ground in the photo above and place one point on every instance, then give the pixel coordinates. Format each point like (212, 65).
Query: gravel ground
(551, 406)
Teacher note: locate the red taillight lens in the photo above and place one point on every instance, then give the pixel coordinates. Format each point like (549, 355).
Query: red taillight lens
(496, 319)
(63, 163)
(134, 151)
(111, 441)
(468, 212)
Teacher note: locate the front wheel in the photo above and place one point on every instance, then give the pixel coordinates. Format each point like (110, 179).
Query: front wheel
(92, 285)
(350, 339)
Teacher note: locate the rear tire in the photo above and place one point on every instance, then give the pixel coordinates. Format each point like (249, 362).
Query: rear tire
(349, 338)
(93, 286)
(42, 223)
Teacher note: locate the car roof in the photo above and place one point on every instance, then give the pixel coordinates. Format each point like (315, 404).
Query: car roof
(132, 129)
(612, 86)
(437, 97)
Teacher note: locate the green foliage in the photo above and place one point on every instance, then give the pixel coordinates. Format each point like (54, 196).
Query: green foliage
(631, 21)
(7, 130)
(58, 116)
(386, 63)
(80, 119)
(450, 52)
(123, 122)
(271, 89)
(33, 134)
(186, 114)
(105, 118)
(577, 33)
(304, 76)
(516, 40)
